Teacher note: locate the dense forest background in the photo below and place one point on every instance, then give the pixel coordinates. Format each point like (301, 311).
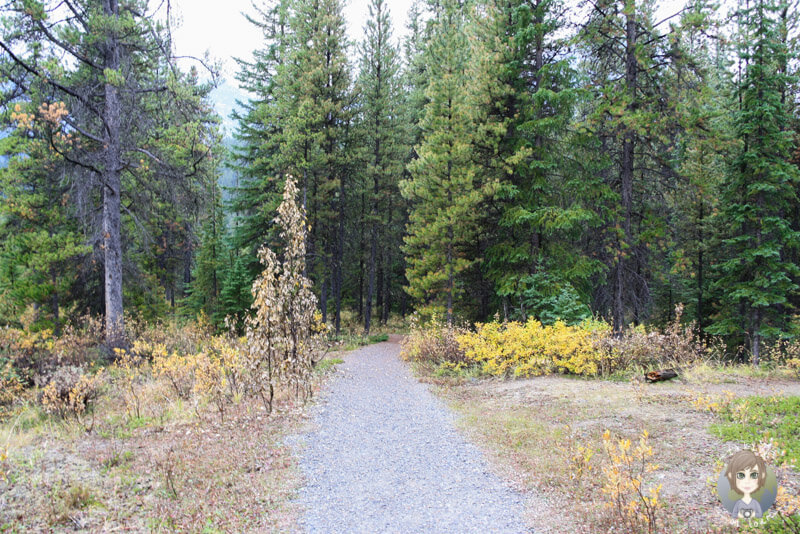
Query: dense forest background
(518, 158)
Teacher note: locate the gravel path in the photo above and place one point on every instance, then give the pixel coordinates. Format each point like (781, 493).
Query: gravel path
(385, 457)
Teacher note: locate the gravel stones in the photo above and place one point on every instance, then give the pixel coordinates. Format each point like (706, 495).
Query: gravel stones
(385, 457)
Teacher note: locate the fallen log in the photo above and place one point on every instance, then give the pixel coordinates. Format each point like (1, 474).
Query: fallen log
(659, 376)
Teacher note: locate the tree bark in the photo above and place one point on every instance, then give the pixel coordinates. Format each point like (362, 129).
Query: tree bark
(112, 187)
(626, 168)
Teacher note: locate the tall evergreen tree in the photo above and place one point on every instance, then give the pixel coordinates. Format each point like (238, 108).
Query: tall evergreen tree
(760, 190)
(443, 186)
(110, 64)
(378, 88)
(41, 244)
(523, 99)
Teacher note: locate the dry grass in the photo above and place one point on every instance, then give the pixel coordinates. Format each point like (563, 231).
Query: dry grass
(168, 471)
(533, 431)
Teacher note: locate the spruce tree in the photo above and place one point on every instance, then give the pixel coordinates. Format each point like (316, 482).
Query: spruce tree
(522, 96)
(379, 117)
(760, 189)
(444, 193)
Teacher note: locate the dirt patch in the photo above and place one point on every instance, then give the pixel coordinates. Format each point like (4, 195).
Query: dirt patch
(530, 428)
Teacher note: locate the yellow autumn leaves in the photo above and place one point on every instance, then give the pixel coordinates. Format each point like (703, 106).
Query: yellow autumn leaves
(534, 349)
(215, 374)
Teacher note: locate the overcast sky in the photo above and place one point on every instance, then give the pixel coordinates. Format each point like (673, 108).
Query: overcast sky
(225, 33)
(221, 29)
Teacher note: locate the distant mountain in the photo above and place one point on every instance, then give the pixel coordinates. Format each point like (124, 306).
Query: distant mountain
(225, 97)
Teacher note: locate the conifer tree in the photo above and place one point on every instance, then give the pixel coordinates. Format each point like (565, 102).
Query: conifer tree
(522, 99)
(626, 56)
(209, 262)
(109, 63)
(40, 239)
(378, 88)
(256, 155)
(760, 190)
(443, 189)
(298, 124)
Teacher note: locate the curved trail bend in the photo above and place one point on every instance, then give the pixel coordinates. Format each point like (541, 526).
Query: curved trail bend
(384, 456)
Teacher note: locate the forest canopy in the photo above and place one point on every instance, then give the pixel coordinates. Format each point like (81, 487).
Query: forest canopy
(510, 158)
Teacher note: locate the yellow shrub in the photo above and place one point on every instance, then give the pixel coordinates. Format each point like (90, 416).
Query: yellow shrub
(178, 369)
(130, 380)
(713, 403)
(211, 381)
(624, 476)
(793, 365)
(70, 392)
(532, 349)
(11, 386)
(435, 343)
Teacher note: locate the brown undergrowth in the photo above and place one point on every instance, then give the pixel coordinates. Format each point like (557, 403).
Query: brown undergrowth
(182, 473)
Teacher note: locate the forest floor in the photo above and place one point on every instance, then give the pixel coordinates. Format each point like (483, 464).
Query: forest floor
(533, 430)
(177, 470)
(385, 447)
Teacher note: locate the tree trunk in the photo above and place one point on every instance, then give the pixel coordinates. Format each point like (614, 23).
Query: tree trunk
(379, 281)
(55, 304)
(323, 299)
(339, 275)
(361, 250)
(699, 314)
(756, 337)
(112, 187)
(626, 168)
(387, 269)
(371, 282)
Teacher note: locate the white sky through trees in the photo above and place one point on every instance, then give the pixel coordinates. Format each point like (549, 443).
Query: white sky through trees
(221, 29)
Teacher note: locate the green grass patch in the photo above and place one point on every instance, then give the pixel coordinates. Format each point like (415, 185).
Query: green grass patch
(353, 341)
(752, 419)
(328, 363)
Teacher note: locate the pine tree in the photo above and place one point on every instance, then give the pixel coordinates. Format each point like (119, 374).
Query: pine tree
(760, 189)
(522, 97)
(378, 89)
(299, 124)
(40, 239)
(626, 57)
(109, 63)
(209, 262)
(443, 190)
(256, 155)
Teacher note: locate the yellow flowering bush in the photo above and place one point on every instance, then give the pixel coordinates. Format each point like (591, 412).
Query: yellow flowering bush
(533, 349)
